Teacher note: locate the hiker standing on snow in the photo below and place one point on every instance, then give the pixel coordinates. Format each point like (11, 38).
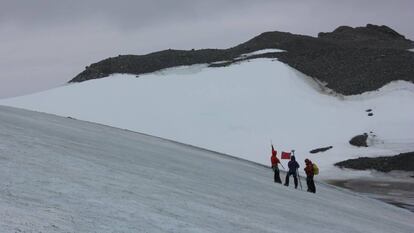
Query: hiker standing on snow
(309, 169)
(293, 167)
(275, 161)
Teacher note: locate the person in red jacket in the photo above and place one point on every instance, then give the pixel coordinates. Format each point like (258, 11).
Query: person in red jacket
(275, 161)
(309, 176)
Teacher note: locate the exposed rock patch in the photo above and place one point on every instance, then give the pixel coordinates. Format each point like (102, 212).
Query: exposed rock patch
(323, 149)
(359, 140)
(403, 162)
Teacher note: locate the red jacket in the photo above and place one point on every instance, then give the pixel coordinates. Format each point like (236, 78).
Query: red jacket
(309, 168)
(274, 160)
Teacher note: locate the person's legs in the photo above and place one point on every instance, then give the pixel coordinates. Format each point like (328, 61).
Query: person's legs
(312, 185)
(277, 177)
(308, 183)
(295, 179)
(287, 178)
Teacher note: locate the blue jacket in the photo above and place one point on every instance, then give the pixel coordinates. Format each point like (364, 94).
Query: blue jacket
(293, 165)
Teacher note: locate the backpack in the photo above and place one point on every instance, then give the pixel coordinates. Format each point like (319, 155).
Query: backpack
(315, 169)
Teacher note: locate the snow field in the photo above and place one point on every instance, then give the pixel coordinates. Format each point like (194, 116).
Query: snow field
(65, 175)
(239, 109)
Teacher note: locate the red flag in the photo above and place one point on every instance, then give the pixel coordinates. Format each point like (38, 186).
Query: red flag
(273, 151)
(285, 155)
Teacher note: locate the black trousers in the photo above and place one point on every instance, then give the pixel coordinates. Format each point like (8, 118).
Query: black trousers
(277, 174)
(311, 184)
(295, 178)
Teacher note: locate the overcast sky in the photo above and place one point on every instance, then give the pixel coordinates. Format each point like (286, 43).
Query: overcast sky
(45, 43)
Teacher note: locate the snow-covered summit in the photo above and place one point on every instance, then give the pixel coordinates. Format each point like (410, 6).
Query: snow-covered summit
(239, 109)
(64, 175)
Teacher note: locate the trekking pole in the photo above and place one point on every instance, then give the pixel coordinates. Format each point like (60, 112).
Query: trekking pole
(297, 172)
(300, 182)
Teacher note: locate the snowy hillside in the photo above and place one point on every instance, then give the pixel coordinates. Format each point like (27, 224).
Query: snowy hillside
(238, 109)
(64, 175)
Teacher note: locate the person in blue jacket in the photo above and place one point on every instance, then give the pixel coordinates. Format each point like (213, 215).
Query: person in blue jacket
(293, 168)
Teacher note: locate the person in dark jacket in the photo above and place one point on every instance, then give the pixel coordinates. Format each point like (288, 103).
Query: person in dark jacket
(293, 167)
(275, 161)
(309, 176)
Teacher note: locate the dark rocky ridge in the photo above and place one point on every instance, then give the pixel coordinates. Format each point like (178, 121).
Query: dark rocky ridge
(370, 36)
(403, 162)
(349, 60)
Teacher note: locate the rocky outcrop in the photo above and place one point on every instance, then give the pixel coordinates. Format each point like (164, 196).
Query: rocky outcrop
(140, 64)
(370, 36)
(402, 162)
(322, 149)
(349, 60)
(359, 140)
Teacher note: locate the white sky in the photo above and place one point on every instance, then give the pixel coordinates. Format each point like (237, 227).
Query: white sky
(45, 43)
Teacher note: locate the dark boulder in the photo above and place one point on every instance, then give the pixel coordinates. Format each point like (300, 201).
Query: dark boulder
(359, 140)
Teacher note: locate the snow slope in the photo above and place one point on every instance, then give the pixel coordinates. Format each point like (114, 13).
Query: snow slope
(262, 51)
(238, 109)
(63, 175)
